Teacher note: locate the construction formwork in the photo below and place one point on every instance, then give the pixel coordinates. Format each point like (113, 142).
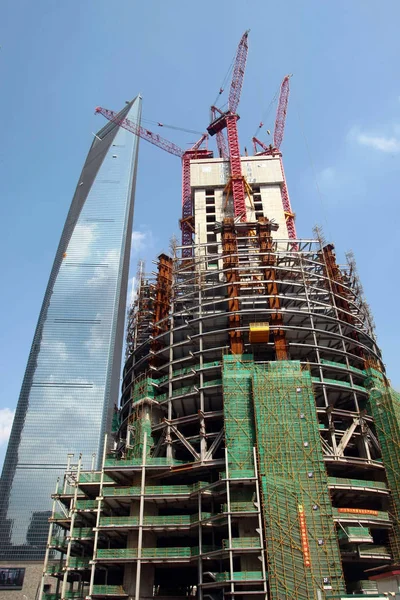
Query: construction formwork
(246, 474)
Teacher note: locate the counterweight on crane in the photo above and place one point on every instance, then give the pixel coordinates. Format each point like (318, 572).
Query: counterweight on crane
(187, 225)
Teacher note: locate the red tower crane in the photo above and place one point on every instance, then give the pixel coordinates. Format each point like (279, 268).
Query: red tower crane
(187, 224)
(274, 150)
(229, 120)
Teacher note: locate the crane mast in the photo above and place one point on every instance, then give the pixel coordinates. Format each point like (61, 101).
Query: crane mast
(237, 185)
(274, 150)
(228, 120)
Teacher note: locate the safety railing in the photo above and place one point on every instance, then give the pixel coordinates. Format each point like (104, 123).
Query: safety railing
(370, 550)
(126, 553)
(244, 542)
(151, 461)
(81, 533)
(380, 485)
(239, 576)
(86, 504)
(360, 514)
(75, 562)
(90, 477)
(240, 507)
(108, 590)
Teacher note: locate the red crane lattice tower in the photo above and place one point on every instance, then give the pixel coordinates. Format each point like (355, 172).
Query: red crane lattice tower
(274, 150)
(229, 120)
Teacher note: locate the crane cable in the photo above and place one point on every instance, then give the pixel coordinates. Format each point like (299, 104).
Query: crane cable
(159, 124)
(267, 111)
(226, 79)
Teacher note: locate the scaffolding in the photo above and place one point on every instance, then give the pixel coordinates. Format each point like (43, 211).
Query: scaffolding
(140, 311)
(238, 415)
(384, 403)
(302, 550)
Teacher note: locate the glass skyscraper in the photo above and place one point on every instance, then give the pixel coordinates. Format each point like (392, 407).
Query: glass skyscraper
(72, 378)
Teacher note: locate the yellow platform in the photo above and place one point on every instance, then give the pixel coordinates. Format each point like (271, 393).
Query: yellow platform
(259, 333)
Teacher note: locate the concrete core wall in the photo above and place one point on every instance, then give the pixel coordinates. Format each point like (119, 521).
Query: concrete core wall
(209, 178)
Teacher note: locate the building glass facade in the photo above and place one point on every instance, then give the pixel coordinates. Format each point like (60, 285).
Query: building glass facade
(71, 382)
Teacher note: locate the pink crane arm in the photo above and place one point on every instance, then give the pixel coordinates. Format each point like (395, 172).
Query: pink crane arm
(197, 145)
(145, 134)
(281, 112)
(238, 73)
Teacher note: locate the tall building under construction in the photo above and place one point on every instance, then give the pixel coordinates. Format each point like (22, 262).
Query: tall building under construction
(256, 449)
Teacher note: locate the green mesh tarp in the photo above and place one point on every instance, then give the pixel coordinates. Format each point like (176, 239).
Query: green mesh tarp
(272, 406)
(238, 415)
(384, 405)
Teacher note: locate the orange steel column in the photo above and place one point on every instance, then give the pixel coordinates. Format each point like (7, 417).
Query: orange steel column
(231, 263)
(268, 259)
(162, 301)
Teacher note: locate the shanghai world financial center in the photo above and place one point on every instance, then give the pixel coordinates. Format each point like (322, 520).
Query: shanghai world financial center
(71, 382)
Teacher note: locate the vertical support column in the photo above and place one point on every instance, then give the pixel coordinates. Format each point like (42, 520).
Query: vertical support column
(187, 221)
(50, 535)
(200, 561)
(260, 527)
(162, 303)
(168, 438)
(65, 483)
(230, 265)
(65, 578)
(228, 504)
(141, 512)
(96, 531)
(202, 423)
(268, 261)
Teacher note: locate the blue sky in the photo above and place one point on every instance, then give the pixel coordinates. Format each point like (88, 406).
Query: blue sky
(58, 60)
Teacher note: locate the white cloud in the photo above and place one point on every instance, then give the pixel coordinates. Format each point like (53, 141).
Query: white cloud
(377, 142)
(132, 291)
(327, 176)
(80, 246)
(141, 240)
(102, 274)
(57, 348)
(99, 339)
(6, 421)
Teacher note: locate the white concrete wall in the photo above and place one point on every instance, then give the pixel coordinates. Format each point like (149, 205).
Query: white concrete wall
(261, 171)
(215, 171)
(273, 208)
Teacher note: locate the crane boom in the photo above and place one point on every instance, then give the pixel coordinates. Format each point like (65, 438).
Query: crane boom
(274, 150)
(145, 134)
(238, 73)
(237, 184)
(281, 112)
(186, 155)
